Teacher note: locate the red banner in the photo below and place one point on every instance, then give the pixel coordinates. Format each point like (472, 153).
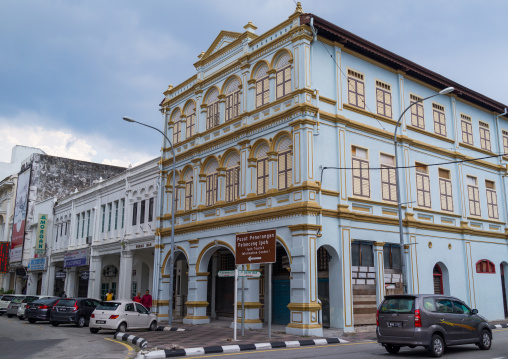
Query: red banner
(20, 209)
(4, 257)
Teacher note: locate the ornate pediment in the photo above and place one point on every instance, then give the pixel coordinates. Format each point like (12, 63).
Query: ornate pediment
(222, 40)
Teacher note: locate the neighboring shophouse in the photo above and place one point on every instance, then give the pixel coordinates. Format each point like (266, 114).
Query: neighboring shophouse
(37, 178)
(104, 236)
(259, 147)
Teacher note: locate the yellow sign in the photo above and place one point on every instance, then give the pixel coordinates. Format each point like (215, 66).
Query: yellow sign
(40, 245)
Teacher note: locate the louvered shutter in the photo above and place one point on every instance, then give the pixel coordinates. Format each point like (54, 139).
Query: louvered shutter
(282, 171)
(352, 92)
(280, 83)
(287, 80)
(260, 172)
(426, 186)
(360, 87)
(356, 177)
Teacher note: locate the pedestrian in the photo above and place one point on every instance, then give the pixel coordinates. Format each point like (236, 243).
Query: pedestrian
(147, 300)
(109, 296)
(63, 295)
(137, 298)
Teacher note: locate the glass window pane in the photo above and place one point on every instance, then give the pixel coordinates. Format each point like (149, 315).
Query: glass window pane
(355, 254)
(367, 255)
(396, 261)
(386, 256)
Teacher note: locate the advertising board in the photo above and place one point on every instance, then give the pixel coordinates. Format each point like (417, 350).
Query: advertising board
(40, 245)
(76, 258)
(4, 257)
(20, 209)
(37, 264)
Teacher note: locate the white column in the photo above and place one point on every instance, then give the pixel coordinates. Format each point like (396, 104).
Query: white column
(71, 289)
(125, 277)
(380, 271)
(49, 279)
(94, 281)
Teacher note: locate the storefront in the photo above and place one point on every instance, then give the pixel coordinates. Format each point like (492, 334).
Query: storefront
(77, 265)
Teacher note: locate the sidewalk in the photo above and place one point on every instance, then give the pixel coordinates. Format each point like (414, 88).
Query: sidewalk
(219, 333)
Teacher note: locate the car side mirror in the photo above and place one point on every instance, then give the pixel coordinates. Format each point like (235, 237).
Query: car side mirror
(474, 311)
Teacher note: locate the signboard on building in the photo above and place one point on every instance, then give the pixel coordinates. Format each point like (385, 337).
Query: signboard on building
(4, 257)
(76, 258)
(37, 264)
(241, 273)
(20, 209)
(60, 274)
(85, 275)
(40, 245)
(255, 247)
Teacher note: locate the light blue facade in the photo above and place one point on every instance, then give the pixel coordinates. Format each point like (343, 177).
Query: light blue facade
(322, 208)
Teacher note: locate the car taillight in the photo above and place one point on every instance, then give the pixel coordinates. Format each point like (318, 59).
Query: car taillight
(43, 307)
(76, 307)
(93, 316)
(418, 319)
(113, 316)
(377, 318)
(54, 305)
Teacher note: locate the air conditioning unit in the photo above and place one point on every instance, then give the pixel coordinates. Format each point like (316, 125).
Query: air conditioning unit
(89, 240)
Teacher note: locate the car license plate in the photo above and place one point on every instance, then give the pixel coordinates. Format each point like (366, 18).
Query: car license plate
(394, 324)
(14, 307)
(100, 321)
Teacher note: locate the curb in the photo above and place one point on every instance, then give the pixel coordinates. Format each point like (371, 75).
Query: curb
(170, 329)
(499, 326)
(140, 342)
(225, 349)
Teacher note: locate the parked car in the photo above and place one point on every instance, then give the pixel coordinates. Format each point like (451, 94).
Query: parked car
(73, 310)
(122, 314)
(28, 299)
(5, 300)
(12, 308)
(429, 320)
(40, 309)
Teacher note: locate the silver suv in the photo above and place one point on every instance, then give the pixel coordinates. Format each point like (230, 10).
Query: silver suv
(429, 320)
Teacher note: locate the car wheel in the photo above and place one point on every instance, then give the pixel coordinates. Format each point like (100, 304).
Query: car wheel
(153, 327)
(94, 330)
(55, 324)
(437, 346)
(392, 349)
(21, 317)
(485, 340)
(10, 315)
(81, 322)
(122, 327)
(31, 320)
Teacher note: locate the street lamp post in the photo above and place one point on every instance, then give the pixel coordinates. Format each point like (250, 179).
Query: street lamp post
(401, 234)
(171, 257)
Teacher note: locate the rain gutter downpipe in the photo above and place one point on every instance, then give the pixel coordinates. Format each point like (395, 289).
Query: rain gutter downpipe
(501, 150)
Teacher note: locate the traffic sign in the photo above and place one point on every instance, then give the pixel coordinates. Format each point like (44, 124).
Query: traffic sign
(241, 273)
(226, 273)
(255, 247)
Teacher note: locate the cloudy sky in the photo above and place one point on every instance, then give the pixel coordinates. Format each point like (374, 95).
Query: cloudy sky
(69, 70)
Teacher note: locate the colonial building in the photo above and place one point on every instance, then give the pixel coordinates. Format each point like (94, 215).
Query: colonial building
(292, 130)
(103, 237)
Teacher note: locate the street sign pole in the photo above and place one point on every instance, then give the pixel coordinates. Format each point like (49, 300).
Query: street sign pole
(270, 301)
(243, 303)
(235, 316)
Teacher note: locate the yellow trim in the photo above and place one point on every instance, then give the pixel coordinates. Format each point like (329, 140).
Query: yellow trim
(212, 244)
(131, 349)
(196, 304)
(196, 317)
(167, 257)
(304, 326)
(430, 134)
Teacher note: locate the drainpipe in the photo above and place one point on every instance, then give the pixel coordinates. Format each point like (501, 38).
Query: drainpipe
(501, 149)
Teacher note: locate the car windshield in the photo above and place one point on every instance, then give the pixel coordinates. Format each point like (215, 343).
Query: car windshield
(398, 305)
(67, 303)
(108, 306)
(17, 299)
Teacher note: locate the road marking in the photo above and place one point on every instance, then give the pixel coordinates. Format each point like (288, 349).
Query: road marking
(282, 349)
(131, 349)
(500, 330)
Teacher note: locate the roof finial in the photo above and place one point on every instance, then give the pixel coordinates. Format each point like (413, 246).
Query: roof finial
(299, 9)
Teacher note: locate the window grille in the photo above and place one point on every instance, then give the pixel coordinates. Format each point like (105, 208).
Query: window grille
(491, 199)
(391, 256)
(445, 190)
(262, 86)
(485, 266)
(467, 129)
(388, 178)
(383, 99)
(417, 113)
(474, 196)
(227, 261)
(422, 186)
(190, 120)
(323, 258)
(362, 254)
(361, 175)
(356, 89)
(439, 119)
(283, 76)
(484, 136)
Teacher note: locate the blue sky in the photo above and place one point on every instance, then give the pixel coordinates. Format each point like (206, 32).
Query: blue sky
(70, 70)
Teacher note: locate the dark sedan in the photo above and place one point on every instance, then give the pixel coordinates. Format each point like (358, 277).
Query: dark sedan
(40, 310)
(73, 310)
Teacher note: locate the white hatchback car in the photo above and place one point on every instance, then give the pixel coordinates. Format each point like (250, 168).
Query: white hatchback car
(121, 315)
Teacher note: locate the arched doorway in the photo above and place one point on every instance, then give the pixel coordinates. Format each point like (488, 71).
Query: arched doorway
(323, 261)
(180, 285)
(281, 286)
(438, 279)
(220, 290)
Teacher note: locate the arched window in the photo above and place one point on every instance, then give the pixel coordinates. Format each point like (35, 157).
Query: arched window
(262, 86)
(233, 99)
(212, 109)
(211, 183)
(485, 266)
(188, 190)
(177, 128)
(190, 114)
(283, 76)
(233, 178)
(285, 163)
(262, 169)
(438, 280)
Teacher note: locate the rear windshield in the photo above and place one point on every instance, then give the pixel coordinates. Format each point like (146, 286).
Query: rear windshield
(398, 305)
(108, 306)
(45, 302)
(30, 299)
(7, 298)
(17, 299)
(67, 302)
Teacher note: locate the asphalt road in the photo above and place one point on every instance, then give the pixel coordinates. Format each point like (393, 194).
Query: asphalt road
(362, 350)
(20, 340)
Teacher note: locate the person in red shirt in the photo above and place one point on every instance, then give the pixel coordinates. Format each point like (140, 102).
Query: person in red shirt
(137, 298)
(147, 300)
